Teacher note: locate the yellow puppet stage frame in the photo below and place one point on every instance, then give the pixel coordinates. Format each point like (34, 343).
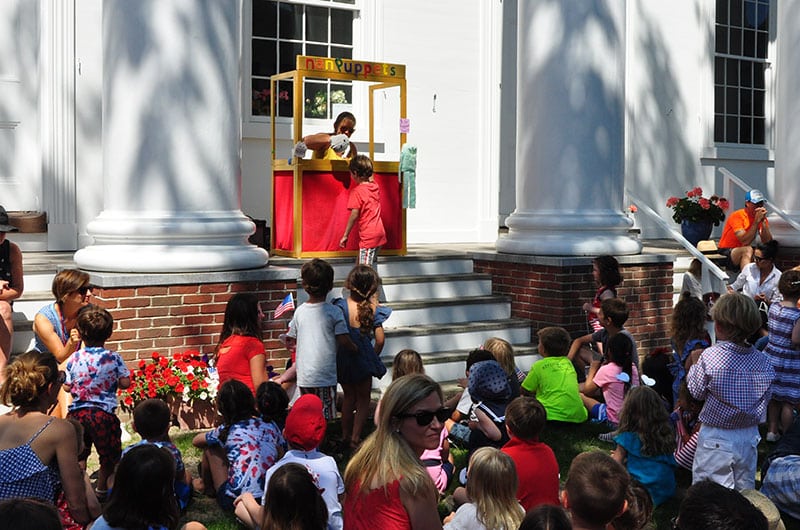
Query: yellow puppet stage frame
(309, 197)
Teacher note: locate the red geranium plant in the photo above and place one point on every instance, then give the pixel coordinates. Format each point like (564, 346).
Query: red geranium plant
(695, 207)
(185, 375)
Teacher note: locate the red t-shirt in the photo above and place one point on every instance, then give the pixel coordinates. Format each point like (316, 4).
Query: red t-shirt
(377, 509)
(234, 359)
(537, 472)
(738, 220)
(366, 197)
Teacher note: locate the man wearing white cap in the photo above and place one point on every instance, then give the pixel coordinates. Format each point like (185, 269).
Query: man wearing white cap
(741, 229)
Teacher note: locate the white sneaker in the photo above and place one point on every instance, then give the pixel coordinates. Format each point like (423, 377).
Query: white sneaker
(773, 437)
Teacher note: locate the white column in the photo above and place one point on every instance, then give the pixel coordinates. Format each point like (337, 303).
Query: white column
(570, 131)
(786, 192)
(171, 140)
(58, 123)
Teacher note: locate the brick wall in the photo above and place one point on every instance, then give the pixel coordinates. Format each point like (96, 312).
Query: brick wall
(553, 295)
(175, 318)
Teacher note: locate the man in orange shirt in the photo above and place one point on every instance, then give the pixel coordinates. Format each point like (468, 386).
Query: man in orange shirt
(741, 228)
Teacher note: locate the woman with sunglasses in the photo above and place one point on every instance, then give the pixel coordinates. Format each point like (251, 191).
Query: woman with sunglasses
(386, 484)
(759, 280)
(38, 453)
(54, 325)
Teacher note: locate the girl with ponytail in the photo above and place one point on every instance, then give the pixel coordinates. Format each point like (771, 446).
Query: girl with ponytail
(365, 320)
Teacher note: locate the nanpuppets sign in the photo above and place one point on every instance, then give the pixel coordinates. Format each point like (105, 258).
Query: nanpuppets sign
(360, 69)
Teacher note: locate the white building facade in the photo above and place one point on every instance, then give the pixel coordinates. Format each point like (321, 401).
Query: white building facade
(670, 92)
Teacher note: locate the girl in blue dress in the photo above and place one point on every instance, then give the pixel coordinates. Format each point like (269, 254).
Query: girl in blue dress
(646, 443)
(354, 371)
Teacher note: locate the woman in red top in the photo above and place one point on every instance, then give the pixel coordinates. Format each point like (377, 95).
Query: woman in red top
(387, 486)
(240, 353)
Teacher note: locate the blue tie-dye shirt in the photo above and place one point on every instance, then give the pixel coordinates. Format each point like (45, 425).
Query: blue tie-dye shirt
(92, 374)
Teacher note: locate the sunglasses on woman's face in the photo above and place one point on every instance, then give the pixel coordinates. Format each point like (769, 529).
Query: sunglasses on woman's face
(425, 417)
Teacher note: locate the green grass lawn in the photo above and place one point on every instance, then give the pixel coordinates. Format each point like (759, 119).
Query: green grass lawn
(566, 440)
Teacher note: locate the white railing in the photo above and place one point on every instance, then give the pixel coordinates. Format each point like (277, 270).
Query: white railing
(727, 188)
(714, 279)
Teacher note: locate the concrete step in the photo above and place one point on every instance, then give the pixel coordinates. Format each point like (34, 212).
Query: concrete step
(431, 287)
(26, 307)
(394, 266)
(433, 338)
(438, 311)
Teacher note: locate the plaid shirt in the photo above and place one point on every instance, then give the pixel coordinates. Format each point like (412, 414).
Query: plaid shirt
(736, 383)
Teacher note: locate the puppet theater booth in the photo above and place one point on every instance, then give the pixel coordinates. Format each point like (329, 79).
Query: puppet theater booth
(309, 197)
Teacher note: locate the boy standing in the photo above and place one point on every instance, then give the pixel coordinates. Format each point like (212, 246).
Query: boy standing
(365, 207)
(735, 380)
(553, 381)
(93, 376)
(151, 419)
(319, 329)
(536, 463)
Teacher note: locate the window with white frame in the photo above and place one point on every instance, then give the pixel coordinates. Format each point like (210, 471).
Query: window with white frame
(740, 61)
(283, 29)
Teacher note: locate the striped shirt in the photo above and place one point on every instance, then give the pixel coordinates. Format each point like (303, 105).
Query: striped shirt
(735, 382)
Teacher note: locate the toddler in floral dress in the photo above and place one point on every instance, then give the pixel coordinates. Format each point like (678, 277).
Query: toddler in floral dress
(92, 377)
(238, 453)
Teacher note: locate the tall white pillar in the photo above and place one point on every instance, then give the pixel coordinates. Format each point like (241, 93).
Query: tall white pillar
(570, 131)
(171, 140)
(58, 123)
(786, 192)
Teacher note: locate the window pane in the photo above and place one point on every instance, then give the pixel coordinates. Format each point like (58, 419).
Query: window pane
(291, 21)
(318, 50)
(736, 13)
(341, 53)
(749, 44)
(758, 130)
(750, 14)
(761, 42)
(288, 51)
(316, 100)
(341, 94)
(758, 103)
(719, 129)
(264, 18)
(745, 132)
(731, 101)
(746, 99)
(285, 99)
(345, 1)
(719, 99)
(731, 129)
(763, 16)
(736, 41)
(260, 101)
(722, 12)
(341, 26)
(746, 73)
(719, 71)
(264, 57)
(317, 24)
(758, 75)
(731, 72)
(721, 38)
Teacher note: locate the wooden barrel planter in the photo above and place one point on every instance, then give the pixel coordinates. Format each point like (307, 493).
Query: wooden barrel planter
(28, 222)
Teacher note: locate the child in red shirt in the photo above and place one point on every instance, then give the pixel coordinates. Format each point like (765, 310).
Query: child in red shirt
(535, 461)
(365, 206)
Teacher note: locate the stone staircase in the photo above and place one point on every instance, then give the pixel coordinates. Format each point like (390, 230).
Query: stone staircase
(440, 308)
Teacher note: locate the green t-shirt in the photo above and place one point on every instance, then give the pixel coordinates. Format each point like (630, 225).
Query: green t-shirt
(555, 383)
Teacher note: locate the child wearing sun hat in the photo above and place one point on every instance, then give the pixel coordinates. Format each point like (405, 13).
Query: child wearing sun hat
(304, 432)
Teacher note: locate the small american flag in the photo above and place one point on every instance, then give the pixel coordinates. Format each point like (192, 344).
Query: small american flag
(286, 305)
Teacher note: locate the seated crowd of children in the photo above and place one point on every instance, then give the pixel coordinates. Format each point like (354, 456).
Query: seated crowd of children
(263, 461)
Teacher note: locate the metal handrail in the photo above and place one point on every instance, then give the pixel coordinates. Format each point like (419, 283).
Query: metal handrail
(774, 208)
(708, 265)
